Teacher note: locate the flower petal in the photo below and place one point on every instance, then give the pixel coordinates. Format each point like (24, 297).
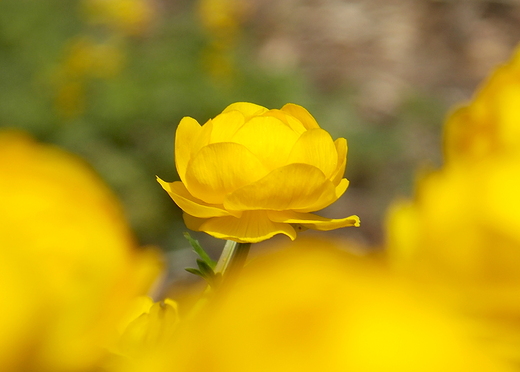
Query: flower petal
(315, 147)
(246, 108)
(268, 138)
(290, 187)
(312, 221)
(187, 132)
(189, 204)
(327, 198)
(203, 139)
(221, 168)
(301, 114)
(225, 126)
(252, 227)
(287, 119)
(341, 149)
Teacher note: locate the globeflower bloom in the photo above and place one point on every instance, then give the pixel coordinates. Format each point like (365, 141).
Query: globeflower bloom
(251, 173)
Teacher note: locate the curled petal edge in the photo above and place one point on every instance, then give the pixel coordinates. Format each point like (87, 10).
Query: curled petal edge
(190, 204)
(327, 198)
(312, 221)
(254, 228)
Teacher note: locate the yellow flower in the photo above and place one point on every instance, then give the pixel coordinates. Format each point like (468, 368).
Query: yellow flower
(462, 230)
(146, 331)
(151, 328)
(462, 234)
(316, 309)
(488, 126)
(130, 17)
(69, 252)
(251, 173)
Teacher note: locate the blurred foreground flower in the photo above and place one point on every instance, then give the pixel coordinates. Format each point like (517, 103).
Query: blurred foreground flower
(251, 173)
(146, 328)
(490, 125)
(69, 266)
(462, 231)
(315, 309)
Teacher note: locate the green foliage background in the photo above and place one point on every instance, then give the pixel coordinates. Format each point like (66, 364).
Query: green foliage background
(127, 128)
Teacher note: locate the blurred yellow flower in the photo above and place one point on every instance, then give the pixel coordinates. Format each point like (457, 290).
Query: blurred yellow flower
(84, 59)
(462, 234)
(222, 18)
(462, 231)
(490, 124)
(127, 16)
(146, 330)
(251, 173)
(73, 266)
(151, 328)
(315, 309)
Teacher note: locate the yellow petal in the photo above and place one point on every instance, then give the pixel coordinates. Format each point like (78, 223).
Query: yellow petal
(252, 227)
(341, 149)
(203, 139)
(268, 138)
(190, 204)
(246, 108)
(225, 126)
(315, 147)
(221, 168)
(301, 114)
(187, 131)
(312, 221)
(290, 187)
(287, 119)
(327, 198)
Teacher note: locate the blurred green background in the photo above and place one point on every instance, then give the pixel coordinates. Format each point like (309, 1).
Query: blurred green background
(111, 79)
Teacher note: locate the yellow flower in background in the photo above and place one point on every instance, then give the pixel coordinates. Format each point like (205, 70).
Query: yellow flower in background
(489, 126)
(72, 264)
(84, 60)
(222, 20)
(130, 17)
(251, 173)
(315, 309)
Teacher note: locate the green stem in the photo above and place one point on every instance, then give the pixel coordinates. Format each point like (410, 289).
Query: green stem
(230, 263)
(232, 259)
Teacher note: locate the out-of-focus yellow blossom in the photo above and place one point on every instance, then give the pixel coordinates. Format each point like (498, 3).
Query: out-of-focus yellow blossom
(314, 309)
(70, 98)
(251, 173)
(147, 329)
(463, 226)
(84, 60)
(130, 17)
(222, 20)
(462, 231)
(71, 263)
(489, 126)
(87, 58)
(150, 329)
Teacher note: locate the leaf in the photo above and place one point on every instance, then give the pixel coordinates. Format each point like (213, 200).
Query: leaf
(205, 269)
(194, 271)
(200, 251)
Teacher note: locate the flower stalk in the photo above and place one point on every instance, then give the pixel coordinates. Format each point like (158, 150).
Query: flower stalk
(232, 259)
